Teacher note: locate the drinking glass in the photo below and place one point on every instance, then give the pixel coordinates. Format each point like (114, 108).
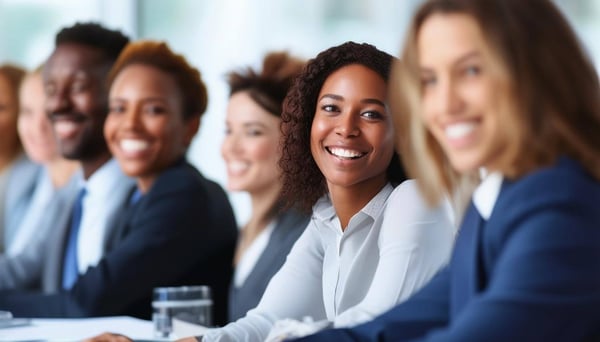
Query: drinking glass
(192, 304)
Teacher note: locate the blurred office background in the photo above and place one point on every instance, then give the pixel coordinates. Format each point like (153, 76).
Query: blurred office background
(217, 36)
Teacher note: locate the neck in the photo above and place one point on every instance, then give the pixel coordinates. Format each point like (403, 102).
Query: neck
(262, 204)
(92, 165)
(61, 170)
(347, 201)
(6, 159)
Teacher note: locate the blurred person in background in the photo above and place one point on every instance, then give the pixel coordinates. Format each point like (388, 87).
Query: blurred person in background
(180, 228)
(74, 78)
(177, 228)
(17, 172)
(251, 150)
(50, 195)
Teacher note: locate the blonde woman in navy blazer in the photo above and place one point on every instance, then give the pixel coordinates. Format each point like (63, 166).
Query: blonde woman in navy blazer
(504, 88)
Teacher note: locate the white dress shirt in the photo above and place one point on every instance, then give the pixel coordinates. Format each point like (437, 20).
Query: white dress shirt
(105, 190)
(390, 249)
(486, 194)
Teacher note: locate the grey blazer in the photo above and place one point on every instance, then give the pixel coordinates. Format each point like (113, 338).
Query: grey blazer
(290, 225)
(23, 271)
(22, 179)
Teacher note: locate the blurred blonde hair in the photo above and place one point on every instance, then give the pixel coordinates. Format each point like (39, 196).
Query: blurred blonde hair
(549, 90)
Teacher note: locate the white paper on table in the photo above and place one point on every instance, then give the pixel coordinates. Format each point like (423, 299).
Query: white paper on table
(185, 329)
(76, 329)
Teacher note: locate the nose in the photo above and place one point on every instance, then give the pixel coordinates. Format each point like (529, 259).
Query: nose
(450, 100)
(231, 144)
(58, 102)
(346, 125)
(131, 119)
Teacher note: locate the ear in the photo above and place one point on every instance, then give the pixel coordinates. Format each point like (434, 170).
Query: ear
(191, 128)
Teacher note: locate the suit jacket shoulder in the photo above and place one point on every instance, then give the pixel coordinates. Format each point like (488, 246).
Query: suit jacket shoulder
(289, 227)
(182, 232)
(22, 179)
(184, 220)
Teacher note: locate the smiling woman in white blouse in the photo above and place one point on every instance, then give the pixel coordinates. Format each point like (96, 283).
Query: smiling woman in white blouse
(372, 241)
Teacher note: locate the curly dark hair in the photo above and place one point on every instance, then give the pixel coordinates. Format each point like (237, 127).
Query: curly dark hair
(194, 96)
(303, 182)
(110, 42)
(268, 86)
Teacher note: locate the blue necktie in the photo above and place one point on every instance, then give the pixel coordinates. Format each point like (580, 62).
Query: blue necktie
(70, 269)
(135, 197)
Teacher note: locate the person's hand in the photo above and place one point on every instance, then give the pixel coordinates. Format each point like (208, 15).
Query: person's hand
(109, 337)
(187, 339)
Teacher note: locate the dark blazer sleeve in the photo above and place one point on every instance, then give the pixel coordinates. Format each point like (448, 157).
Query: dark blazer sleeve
(425, 310)
(182, 230)
(540, 250)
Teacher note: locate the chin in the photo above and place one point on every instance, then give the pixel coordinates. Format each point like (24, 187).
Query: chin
(465, 166)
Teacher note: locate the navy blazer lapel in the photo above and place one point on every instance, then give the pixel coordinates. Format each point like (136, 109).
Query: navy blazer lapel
(120, 220)
(466, 261)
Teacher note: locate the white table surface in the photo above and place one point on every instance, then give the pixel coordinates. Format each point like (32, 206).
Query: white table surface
(49, 329)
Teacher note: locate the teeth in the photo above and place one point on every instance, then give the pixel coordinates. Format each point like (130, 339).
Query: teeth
(459, 130)
(65, 128)
(237, 166)
(343, 153)
(131, 145)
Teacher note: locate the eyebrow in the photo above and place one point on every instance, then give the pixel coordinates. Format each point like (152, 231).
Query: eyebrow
(341, 98)
(145, 99)
(467, 56)
(460, 60)
(253, 123)
(249, 124)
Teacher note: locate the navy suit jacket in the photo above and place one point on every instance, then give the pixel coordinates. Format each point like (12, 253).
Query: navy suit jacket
(289, 227)
(182, 232)
(529, 273)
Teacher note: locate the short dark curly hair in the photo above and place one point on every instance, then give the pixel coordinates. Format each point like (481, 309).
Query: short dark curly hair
(303, 182)
(110, 42)
(194, 96)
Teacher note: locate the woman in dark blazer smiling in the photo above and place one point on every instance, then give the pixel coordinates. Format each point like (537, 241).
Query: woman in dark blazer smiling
(180, 228)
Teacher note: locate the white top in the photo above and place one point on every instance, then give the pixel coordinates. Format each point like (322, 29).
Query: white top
(251, 255)
(99, 207)
(389, 250)
(486, 194)
(43, 194)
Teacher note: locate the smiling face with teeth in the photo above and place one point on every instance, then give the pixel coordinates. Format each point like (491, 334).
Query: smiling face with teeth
(251, 146)
(463, 98)
(76, 104)
(145, 129)
(352, 137)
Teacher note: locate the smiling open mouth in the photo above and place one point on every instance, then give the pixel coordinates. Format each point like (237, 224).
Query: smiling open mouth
(344, 153)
